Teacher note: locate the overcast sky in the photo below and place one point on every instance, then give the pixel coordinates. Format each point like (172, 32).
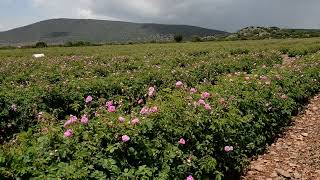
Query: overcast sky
(229, 15)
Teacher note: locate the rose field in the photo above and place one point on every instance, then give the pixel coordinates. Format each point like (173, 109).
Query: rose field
(150, 111)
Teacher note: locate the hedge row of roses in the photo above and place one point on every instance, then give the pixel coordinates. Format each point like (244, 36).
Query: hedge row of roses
(58, 85)
(185, 132)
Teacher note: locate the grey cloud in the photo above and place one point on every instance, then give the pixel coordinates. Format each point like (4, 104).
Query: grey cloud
(227, 15)
(219, 14)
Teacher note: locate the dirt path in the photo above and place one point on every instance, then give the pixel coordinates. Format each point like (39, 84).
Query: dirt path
(296, 155)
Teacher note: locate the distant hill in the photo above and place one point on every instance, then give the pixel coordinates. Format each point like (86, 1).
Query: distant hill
(55, 31)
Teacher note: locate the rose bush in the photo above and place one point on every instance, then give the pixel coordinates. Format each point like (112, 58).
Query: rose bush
(193, 119)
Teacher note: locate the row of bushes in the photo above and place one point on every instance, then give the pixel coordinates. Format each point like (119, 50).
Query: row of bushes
(294, 52)
(51, 93)
(182, 138)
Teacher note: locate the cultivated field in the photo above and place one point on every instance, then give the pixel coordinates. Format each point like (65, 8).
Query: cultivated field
(150, 111)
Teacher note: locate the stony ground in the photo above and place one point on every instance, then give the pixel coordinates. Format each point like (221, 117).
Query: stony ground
(295, 155)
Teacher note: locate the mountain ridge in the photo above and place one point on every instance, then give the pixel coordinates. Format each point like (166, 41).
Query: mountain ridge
(61, 30)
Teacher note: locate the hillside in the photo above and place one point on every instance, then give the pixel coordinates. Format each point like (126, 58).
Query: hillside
(98, 31)
(253, 32)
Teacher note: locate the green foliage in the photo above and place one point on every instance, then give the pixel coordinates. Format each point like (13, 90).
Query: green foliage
(178, 38)
(196, 39)
(256, 33)
(41, 45)
(77, 44)
(239, 51)
(252, 98)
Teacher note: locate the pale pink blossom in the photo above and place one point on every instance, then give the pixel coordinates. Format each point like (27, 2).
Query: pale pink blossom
(201, 102)
(112, 109)
(144, 111)
(152, 92)
(190, 177)
(153, 109)
(193, 90)
(14, 107)
(228, 148)
(68, 133)
(121, 119)
(135, 121)
(72, 120)
(182, 141)
(263, 78)
(205, 95)
(140, 101)
(207, 107)
(88, 99)
(109, 103)
(179, 84)
(84, 120)
(125, 138)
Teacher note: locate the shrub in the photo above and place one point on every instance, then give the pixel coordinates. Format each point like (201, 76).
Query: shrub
(77, 44)
(180, 139)
(68, 44)
(251, 98)
(41, 45)
(178, 38)
(239, 51)
(196, 39)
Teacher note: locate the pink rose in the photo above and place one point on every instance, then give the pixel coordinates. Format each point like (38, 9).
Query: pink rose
(140, 101)
(121, 119)
(112, 109)
(193, 90)
(135, 121)
(144, 111)
(190, 177)
(179, 84)
(72, 120)
(228, 148)
(207, 107)
(68, 133)
(205, 95)
(201, 102)
(153, 109)
(109, 103)
(84, 120)
(182, 141)
(88, 99)
(152, 92)
(125, 138)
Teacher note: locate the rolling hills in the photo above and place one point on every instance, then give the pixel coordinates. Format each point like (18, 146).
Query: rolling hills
(56, 31)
